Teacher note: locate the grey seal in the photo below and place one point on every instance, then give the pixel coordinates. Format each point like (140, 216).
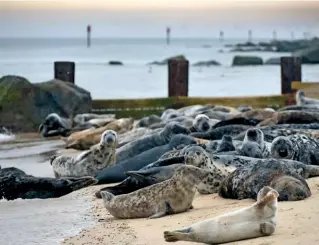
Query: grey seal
(54, 125)
(87, 163)
(302, 100)
(168, 197)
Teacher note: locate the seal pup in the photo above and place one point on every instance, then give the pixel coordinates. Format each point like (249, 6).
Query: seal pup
(117, 173)
(254, 144)
(14, 184)
(157, 139)
(83, 140)
(302, 100)
(218, 133)
(296, 147)
(202, 123)
(258, 220)
(90, 162)
(54, 125)
(226, 144)
(246, 181)
(168, 197)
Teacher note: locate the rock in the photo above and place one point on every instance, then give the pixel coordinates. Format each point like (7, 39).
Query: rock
(165, 61)
(207, 63)
(23, 105)
(115, 63)
(247, 60)
(273, 61)
(308, 55)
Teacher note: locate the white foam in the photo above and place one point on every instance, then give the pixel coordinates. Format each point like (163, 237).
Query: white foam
(6, 137)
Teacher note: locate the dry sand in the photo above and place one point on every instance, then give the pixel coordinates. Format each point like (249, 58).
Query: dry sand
(297, 222)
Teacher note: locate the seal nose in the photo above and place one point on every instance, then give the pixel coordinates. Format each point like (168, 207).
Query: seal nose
(205, 126)
(109, 139)
(282, 152)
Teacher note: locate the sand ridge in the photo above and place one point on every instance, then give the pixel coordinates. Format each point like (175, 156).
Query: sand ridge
(297, 222)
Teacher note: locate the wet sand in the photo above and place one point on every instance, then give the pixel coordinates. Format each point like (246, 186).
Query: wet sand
(297, 222)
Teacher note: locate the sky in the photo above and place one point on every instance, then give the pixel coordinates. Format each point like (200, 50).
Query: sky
(149, 18)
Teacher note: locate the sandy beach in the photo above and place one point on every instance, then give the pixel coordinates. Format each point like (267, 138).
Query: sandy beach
(297, 222)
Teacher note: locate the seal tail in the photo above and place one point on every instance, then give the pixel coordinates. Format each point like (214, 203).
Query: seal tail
(107, 196)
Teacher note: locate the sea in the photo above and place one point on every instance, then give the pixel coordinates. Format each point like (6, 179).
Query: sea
(33, 59)
(47, 222)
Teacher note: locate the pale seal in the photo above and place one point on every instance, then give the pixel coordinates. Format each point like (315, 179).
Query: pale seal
(170, 114)
(90, 162)
(148, 121)
(14, 183)
(146, 143)
(246, 181)
(134, 134)
(302, 100)
(54, 125)
(296, 147)
(202, 123)
(260, 114)
(83, 140)
(168, 197)
(258, 220)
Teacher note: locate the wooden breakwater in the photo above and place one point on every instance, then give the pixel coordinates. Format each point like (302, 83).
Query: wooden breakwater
(178, 76)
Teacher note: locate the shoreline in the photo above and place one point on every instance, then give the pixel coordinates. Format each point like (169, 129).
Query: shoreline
(297, 222)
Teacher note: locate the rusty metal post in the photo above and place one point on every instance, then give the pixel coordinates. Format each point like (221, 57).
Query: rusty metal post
(64, 71)
(177, 77)
(290, 71)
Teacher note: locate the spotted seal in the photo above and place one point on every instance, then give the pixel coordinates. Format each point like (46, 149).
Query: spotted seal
(54, 125)
(168, 197)
(90, 162)
(260, 219)
(157, 139)
(302, 100)
(246, 181)
(14, 184)
(296, 147)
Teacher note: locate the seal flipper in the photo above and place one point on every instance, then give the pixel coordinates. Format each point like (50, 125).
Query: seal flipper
(178, 235)
(267, 228)
(79, 183)
(162, 210)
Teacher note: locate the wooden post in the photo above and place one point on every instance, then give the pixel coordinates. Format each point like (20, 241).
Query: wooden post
(177, 77)
(290, 71)
(88, 38)
(64, 71)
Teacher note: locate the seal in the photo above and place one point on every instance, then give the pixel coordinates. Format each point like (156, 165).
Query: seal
(146, 143)
(148, 121)
(258, 220)
(296, 147)
(134, 134)
(302, 100)
(221, 166)
(117, 173)
(259, 114)
(132, 183)
(202, 123)
(168, 197)
(218, 133)
(310, 108)
(14, 184)
(170, 114)
(246, 181)
(90, 162)
(86, 117)
(83, 140)
(54, 125)
(226, 144)
(254, 144)
(287, 117)
(238, 120)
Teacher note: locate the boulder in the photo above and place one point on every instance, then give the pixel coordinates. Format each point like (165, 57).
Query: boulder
(308, 55)
(273, 61)
(24, 106)
(165, 61)
(207, 63)
(247, 60)
(115, 63)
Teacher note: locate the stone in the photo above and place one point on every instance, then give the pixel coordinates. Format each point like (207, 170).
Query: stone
(24, 105)
(247, 60)
(273, 61)
(206, 63)
(165, 61)
(115, 63)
